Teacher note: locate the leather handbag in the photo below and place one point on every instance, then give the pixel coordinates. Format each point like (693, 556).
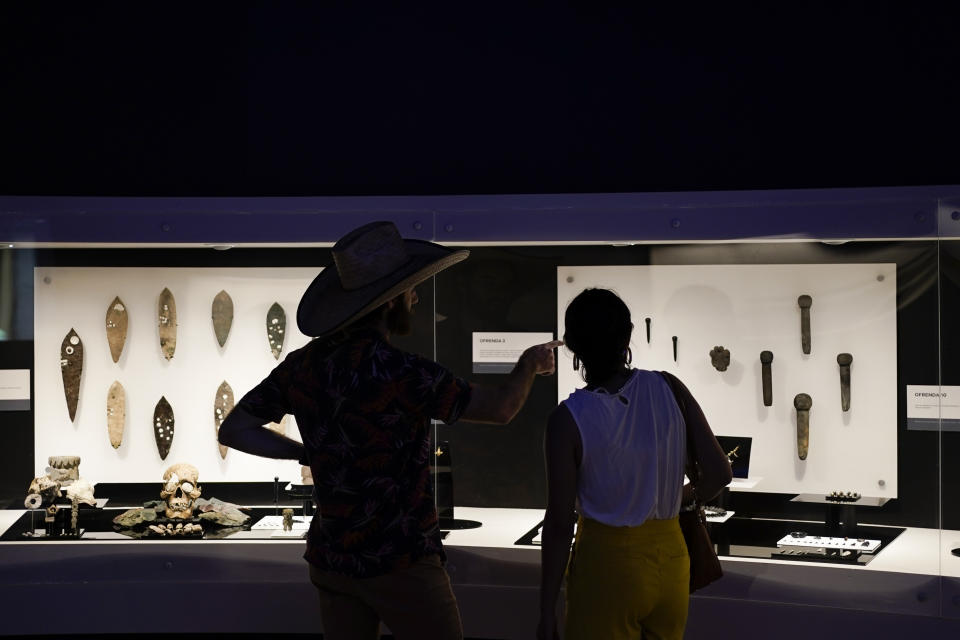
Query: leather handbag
(704, 564)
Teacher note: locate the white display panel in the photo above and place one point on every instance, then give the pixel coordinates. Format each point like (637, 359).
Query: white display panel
(78, 297)
(752, 308)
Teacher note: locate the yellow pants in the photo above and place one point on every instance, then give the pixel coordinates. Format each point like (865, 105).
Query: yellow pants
(628, 582)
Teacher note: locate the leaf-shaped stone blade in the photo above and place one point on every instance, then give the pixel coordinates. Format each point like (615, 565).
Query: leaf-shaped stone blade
(163, 426)
(71, 369)
(167, 323)
(222, 406)
(276, 328)
(116, 413)
(116, 322)
(222, 314)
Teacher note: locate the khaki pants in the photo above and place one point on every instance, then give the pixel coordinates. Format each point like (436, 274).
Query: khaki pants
(416, 603)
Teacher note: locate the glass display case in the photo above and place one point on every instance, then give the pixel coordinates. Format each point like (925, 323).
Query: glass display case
(814, 327)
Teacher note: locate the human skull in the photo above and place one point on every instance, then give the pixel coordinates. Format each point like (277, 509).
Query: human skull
(180, 490)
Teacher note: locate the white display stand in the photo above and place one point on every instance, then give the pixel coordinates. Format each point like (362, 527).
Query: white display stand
(78, 297)
(751, 308)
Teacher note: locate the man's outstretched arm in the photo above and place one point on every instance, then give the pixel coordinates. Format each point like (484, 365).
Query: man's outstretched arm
(245, 432)
(498, 404)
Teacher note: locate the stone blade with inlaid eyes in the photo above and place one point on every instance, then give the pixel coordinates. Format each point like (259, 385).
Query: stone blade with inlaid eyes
(222, 314)
(116, 321)
(163, 425)
(71, 369)
(167, 323)
(276, 328)
(116, 413)
(222, 406)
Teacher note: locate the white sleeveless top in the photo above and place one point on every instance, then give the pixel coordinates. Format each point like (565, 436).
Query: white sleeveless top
(634, 448)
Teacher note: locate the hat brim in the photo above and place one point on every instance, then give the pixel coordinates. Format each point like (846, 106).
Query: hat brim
(326, 306)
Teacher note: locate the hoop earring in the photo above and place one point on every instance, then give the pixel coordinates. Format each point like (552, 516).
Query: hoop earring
(629, 355)
(576, 363)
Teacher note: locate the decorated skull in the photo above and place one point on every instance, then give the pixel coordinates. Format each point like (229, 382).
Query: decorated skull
(180, 490)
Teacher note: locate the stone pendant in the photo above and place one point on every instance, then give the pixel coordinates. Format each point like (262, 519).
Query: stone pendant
(116, 413)
(222, 314)
(163, 427)
(116, 327)
(222, 406)
(276, 328)
(71, 368)
(167, 320)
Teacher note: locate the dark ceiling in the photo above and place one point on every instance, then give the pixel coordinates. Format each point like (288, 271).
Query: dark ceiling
(285, 98)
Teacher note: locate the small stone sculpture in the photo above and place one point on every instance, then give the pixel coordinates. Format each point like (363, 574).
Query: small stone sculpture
(802, 402)
(64, 469)
(306, 475)
(180, 490)
(766, 357)
(43, 490)
(844, 360)
(720, 358)
(805, 302)
(287, 519)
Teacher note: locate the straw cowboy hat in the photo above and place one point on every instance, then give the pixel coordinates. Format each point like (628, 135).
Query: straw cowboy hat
(371, 265)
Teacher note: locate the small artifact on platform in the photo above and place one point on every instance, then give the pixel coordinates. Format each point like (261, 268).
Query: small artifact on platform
(163, 427)
(647, 320)
(180, 490)
(167, 323)
(63, 469)
(43, 490)
(220, 512)
(222, 406)
(276, 328)
(71, 369)
(841, 496)
(720, 358)
(222, 314)
(844, 360)
(134, 517)
(279, 427)
(306, 475)
(82, 491)
(805, 302)
(802, 402)
(116, 327)
(674, 348)
(287, 519)
(116, 413)
(766, 357)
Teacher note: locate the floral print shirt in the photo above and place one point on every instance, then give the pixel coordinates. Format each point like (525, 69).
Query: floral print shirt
(363, 408)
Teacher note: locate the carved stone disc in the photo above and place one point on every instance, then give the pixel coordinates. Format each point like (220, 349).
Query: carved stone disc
(116, 327)
(276, 328)
(163, 427)
(222, 316)
(222, 406)
(167, 319)
(71, 368)
(116, 413)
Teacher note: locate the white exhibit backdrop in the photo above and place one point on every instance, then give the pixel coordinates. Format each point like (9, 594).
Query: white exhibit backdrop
(751, 308)
(78, 298)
